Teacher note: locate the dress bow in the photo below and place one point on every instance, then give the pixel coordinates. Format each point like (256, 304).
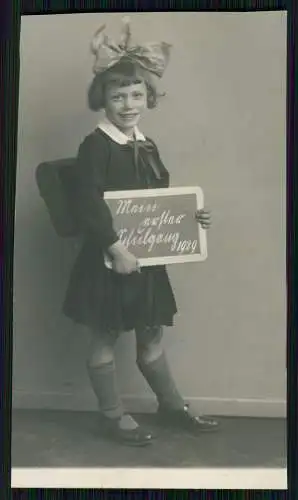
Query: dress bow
(146, 146)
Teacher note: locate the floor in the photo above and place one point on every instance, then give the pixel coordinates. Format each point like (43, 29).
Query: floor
(70, 439)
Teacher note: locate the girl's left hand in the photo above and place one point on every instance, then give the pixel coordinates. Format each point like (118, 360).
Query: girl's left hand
(203, 217)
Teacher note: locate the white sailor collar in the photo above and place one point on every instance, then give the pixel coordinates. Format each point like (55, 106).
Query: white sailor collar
(115, 134)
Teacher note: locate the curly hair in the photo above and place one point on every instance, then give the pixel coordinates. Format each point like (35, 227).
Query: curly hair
(123, 74)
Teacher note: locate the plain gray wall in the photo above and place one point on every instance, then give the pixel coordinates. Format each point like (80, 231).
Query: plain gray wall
(222, 127)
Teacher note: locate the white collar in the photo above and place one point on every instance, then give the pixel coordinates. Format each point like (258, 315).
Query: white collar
(115, 134)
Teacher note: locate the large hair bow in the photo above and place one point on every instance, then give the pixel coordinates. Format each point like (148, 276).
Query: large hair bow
(153, 57)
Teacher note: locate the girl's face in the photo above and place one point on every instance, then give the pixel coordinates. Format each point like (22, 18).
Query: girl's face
(125, 104)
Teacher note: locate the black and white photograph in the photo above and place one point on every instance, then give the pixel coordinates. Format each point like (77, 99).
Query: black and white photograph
(150, 306)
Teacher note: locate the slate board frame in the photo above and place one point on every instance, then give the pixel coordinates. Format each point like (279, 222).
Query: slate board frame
(163, 192)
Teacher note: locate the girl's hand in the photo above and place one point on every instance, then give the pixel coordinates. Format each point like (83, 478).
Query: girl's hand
(203, 217)
(124, 262)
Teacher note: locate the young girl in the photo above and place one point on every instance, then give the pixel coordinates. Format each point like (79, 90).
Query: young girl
(117, 156)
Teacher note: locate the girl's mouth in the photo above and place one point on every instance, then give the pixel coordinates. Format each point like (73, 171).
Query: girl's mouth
(128, 116)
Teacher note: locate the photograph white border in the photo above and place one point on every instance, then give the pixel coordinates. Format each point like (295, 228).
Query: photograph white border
(188, 478)
(148, 193)
(216, 478)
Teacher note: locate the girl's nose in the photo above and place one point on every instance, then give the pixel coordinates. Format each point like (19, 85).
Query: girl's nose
(128, 103)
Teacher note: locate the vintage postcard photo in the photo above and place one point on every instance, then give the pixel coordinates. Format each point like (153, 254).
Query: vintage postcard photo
(150, 251)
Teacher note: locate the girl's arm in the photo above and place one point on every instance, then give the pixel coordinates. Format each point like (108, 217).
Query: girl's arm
(93, 212)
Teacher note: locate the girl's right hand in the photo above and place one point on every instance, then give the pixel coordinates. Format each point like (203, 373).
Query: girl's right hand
(124, 262)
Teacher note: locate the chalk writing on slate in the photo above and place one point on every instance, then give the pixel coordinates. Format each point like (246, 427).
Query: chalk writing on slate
(158, 225)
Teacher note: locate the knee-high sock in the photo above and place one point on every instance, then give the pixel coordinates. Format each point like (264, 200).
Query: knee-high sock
(159, 377)
(103, 379)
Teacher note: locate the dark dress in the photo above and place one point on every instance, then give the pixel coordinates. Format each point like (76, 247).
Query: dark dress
(98, 297)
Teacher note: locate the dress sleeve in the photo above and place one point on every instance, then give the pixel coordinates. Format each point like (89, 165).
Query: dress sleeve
(93, 212)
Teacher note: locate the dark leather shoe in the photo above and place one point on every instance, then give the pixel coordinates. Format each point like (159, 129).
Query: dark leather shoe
(135, 437)
(139, 436)
(184, 420)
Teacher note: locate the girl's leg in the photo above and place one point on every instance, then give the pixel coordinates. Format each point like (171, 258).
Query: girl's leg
(102, 374)
(152, 363)
(103, 378)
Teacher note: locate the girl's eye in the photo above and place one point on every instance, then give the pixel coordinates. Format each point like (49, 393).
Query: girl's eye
(119, 97)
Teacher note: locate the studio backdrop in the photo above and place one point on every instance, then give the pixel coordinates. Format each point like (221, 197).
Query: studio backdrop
(221, 126)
